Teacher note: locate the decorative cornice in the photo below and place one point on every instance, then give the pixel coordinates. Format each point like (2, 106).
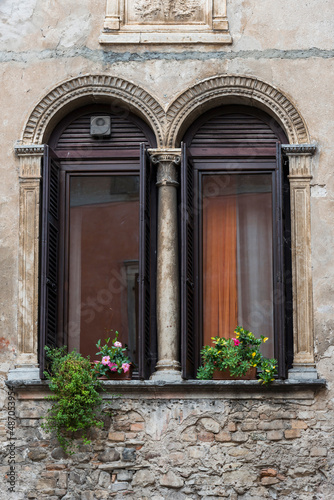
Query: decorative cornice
(29, 149)
(223, 89)
(92, 87)
(299, 149)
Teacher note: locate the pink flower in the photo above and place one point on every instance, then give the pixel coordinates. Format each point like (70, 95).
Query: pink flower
(112, 366)
(236, 341)
(117, 344)
(105, 360)
(126, 367)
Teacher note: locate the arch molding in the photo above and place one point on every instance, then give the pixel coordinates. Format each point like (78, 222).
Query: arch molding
(121, 94)
(221, 90)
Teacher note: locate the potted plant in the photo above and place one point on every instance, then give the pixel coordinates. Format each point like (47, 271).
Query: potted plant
(115, 364)
(75, 398)
(235, 358)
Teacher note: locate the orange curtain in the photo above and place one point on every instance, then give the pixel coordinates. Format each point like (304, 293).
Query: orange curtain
(220, 293)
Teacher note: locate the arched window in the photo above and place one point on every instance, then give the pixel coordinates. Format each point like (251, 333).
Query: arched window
(236, 263)
(98, 229)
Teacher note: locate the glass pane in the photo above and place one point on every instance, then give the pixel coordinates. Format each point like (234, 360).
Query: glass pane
(103, 261)
(237, 256)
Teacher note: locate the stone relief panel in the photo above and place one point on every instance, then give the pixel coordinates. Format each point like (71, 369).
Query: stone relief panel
(165, 22)
(166, 11)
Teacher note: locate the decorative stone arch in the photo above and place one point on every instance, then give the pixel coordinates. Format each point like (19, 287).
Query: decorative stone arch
(89, 89)
(219, 90)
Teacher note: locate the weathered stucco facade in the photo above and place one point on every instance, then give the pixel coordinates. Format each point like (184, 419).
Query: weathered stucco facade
(166, 438)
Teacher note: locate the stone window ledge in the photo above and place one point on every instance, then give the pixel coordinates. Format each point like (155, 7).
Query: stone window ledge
(188, 389)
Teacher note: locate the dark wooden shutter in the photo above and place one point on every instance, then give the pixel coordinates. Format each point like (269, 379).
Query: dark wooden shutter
(188, 335)
(49, 255)
(278, 262)
(147, 273)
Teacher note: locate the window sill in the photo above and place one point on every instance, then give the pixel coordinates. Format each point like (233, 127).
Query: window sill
(188, 389)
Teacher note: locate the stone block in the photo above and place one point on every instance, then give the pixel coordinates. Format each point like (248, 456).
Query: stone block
(143, 478)
(318, 452)
(119, 487)
(129, 454)
(58, 454)
(272, 425)
(298, 424)
(239, 437)
(210, 425)
(223, 437)
(249, 426)
(63, 480)
(46, 485)
(268, 472)
(116, 436)
(292, 433)
(275, 435)
(268, 481)
(52, 466)
(104, 479)
(139, 426)
(109, 455)
(37, 454)
(205, 436)
(124, 475)
(171, 480)
(232, 426)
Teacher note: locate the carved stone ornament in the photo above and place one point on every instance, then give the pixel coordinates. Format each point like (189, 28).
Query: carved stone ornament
(165, 22)
(299, 149)
(166, 162)
(121, 95)
(168, 126)
(231, 89)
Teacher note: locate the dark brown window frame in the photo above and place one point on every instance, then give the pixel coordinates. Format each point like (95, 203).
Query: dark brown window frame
(76, 161)
(215, 159)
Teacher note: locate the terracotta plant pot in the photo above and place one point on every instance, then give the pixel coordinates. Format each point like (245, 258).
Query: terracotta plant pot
(225, 375)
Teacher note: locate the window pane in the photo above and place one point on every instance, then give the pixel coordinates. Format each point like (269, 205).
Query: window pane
(103, 261)
(237, 256)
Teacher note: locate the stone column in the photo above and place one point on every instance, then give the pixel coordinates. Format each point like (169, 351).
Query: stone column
(29, 202)
(168, 289)
(300, 157)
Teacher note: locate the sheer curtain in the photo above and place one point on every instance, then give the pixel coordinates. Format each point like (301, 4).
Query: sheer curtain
(237, 256)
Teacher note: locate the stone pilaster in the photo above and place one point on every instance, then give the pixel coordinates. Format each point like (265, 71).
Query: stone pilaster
(168, 288)
(29, 206)
(300, 157)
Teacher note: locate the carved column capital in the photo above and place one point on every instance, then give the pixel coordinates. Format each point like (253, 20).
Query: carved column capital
(30, 160)
(299, 149)
(299, 160)
(166, 161)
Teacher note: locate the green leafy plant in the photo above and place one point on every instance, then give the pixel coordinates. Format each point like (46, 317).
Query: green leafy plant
(75, 397)
(114, 358)
(238, 355)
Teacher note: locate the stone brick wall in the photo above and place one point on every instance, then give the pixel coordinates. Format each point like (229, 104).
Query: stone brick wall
(157, 449)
